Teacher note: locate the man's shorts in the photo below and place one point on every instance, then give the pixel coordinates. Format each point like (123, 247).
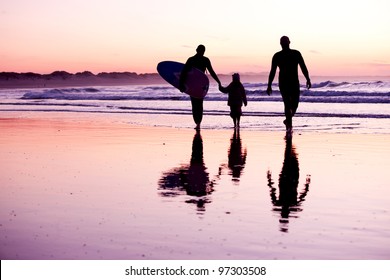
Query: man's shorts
(290, 94)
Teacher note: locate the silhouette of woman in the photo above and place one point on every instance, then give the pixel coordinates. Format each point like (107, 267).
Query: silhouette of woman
(202, 63)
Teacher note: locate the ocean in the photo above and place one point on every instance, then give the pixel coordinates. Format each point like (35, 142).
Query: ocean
(354, 105)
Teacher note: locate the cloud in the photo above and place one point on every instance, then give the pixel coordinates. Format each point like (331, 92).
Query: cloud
(377, 64)
(314, 52)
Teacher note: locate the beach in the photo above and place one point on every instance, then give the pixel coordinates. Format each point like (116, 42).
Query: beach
(107, 171)
(139, 186)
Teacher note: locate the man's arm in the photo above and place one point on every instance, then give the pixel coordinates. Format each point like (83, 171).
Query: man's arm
(305, 72)
(271, 75)
(243, 95)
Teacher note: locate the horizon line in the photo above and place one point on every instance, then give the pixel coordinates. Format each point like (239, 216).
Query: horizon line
(156, 73)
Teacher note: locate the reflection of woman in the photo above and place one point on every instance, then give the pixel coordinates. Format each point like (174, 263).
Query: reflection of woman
(237, 156)
(197, 178)
(192, 179)
(288, 202)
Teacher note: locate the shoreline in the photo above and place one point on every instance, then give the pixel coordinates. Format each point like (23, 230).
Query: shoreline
(185, 122)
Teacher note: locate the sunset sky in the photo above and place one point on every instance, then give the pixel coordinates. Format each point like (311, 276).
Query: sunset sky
(335, 37)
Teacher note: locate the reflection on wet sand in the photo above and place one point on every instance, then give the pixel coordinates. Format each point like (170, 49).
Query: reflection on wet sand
(236, 158)
(191, 179)
(289, 202)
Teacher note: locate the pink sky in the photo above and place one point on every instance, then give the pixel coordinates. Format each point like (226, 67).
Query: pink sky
(335, 37)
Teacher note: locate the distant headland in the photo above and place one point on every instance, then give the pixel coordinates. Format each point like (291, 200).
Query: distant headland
(86, 78)
(63, 78)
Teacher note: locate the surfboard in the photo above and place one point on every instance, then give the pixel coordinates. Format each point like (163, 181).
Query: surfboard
(196, 84)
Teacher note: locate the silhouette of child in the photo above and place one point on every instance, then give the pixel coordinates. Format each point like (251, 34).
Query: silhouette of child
(236, 98)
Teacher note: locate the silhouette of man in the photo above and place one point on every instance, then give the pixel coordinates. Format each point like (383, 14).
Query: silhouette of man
(202, 63)
(288, 60)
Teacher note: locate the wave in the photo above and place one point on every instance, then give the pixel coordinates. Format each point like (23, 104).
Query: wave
(366, 87)
(361, 86)
(333, 94)
(365, 103)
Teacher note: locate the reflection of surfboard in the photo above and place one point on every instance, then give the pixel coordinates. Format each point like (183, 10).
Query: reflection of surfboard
(196, 84)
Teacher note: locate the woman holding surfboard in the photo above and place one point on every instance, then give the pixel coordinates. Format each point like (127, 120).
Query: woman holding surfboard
(202, 63)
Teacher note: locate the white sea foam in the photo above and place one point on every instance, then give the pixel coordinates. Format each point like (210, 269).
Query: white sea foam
(326, 101)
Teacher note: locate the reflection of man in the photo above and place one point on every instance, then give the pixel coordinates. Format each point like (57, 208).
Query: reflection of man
(288, 200)
(288, 60)
(202, 63)
(192, 179)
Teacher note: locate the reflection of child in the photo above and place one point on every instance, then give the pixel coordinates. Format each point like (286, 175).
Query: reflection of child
(236, 97)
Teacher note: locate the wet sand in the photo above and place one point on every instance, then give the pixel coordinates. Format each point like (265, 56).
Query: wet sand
(87, 187)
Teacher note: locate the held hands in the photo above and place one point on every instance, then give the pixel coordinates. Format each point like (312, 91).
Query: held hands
(221, 88)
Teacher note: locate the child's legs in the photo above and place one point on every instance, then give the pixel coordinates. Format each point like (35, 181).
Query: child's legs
(235, 113)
